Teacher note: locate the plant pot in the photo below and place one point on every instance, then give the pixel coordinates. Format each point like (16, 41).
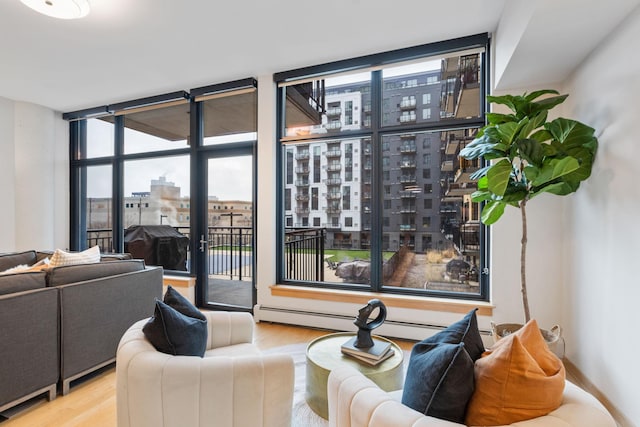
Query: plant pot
(552, 337)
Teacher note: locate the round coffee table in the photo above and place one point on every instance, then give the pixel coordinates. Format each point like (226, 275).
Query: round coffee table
(324, 355)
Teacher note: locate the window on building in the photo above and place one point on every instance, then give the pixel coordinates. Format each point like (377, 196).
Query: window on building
(397, 205)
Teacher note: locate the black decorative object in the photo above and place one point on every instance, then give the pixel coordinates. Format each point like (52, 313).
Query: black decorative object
(363, 339)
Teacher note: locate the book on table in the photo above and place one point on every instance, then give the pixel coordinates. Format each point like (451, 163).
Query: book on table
(373, 362)
(378, 351)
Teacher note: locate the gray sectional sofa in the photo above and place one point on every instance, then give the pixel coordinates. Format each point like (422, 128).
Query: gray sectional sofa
(62, 323)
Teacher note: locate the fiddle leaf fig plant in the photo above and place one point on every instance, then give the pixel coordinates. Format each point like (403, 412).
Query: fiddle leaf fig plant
(528, 156)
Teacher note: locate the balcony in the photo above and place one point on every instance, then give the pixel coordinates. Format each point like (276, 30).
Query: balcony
(408, 118)
(366, 195)
(302, 170)
(408, 148)
(447, 166)
(407, 195)
(302, 183)
(334, 195)
(332, 181)
(407, 104)
(408, 210)
(302, 211)
(333, 153)
(335, 111)
(333, 125)
(332, 226)
(408, 164)
(334, 167)
(407, 179)
(304, 155)
(367, 166)
(302, 197)
(407, 227)
(333, 209)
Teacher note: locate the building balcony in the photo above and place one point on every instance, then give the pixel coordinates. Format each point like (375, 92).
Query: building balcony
(334, 167)
(332, 181)
(365, 243)
(304, 155)
(407, 227)
(332, 226)
(302, 170)
(302, 197)
(366, 108)
(334, 195)
(447, 166)
(302, 211)
(408, 104)
(366, 195)
(302, 183)
(408, 164)
(407, 195)
(409, 148)
(408, 118)
(335, 111)
(333, 209)
(333, 125)
(408, 210)
(333, 153)
(407, 179)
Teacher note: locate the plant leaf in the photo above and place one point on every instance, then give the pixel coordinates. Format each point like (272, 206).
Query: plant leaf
(498, 176)
(497, 118)
(554, 169)
(537, 121)
(538, 93)
(479, 173)
(530, 150)
(491, 212)
(481, 195)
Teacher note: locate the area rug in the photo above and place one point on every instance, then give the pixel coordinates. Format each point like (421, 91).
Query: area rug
(302, 414)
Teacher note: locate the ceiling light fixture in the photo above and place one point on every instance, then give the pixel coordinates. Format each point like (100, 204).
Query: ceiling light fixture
(63, 9)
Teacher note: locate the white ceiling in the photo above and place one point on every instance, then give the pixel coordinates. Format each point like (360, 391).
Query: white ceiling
(127, 49)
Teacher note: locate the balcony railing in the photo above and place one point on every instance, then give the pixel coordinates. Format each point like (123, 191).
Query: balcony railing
(334, 167)
(302, 211)
(302, 183)
(302, 197)
(304, 254)
(406, 179)
(407, 164)
(333, 153)
(407, 104)
(334, 195)
(408, 149)
(332, 209)
(335, 111)
(332, 181)
(302, 169)
(304, 155)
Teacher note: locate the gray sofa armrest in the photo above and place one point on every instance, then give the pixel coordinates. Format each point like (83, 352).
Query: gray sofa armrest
(29, 353)
(95, 314)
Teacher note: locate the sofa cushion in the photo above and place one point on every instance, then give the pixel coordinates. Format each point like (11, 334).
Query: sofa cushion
(519, 378)
(439, 379)
(8, 261)
(79, 273)
(177, 326)
(10, 283)
(60, 257)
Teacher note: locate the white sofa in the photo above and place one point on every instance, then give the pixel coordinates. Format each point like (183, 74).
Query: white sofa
(355, 401)
(232, 385)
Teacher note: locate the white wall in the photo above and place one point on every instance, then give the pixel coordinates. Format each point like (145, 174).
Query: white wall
(34, 151)
(601, 223)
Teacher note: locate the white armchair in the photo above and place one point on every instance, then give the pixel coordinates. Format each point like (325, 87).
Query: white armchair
(355, 401)
(232, 385)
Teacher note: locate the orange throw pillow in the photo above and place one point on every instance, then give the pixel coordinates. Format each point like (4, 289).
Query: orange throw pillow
(519, 378)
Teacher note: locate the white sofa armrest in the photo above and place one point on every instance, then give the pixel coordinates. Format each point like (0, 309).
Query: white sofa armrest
(228, 328)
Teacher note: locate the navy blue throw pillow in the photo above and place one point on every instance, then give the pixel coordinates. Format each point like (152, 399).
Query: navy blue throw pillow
(177, 327)
(439, 380)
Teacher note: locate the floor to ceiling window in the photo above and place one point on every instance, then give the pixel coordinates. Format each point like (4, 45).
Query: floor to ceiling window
(141, 183)
(373, 194)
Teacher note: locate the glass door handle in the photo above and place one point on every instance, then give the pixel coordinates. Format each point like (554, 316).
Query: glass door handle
(203, 243)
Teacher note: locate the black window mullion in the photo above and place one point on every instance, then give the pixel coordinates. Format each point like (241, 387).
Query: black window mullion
(118, 186)
(376, 182)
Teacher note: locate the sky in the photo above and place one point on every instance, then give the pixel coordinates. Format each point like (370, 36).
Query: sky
(229, 178)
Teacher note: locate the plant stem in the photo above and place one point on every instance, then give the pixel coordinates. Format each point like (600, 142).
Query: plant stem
(523, 257)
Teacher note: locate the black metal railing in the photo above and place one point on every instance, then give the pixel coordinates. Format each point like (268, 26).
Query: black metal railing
(304, 254)
(103, 237)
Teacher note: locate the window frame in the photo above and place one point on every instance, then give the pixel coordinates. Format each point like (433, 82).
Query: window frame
(376, 131)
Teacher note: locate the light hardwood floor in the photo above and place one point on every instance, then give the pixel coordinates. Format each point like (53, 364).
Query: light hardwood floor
(92, 402)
